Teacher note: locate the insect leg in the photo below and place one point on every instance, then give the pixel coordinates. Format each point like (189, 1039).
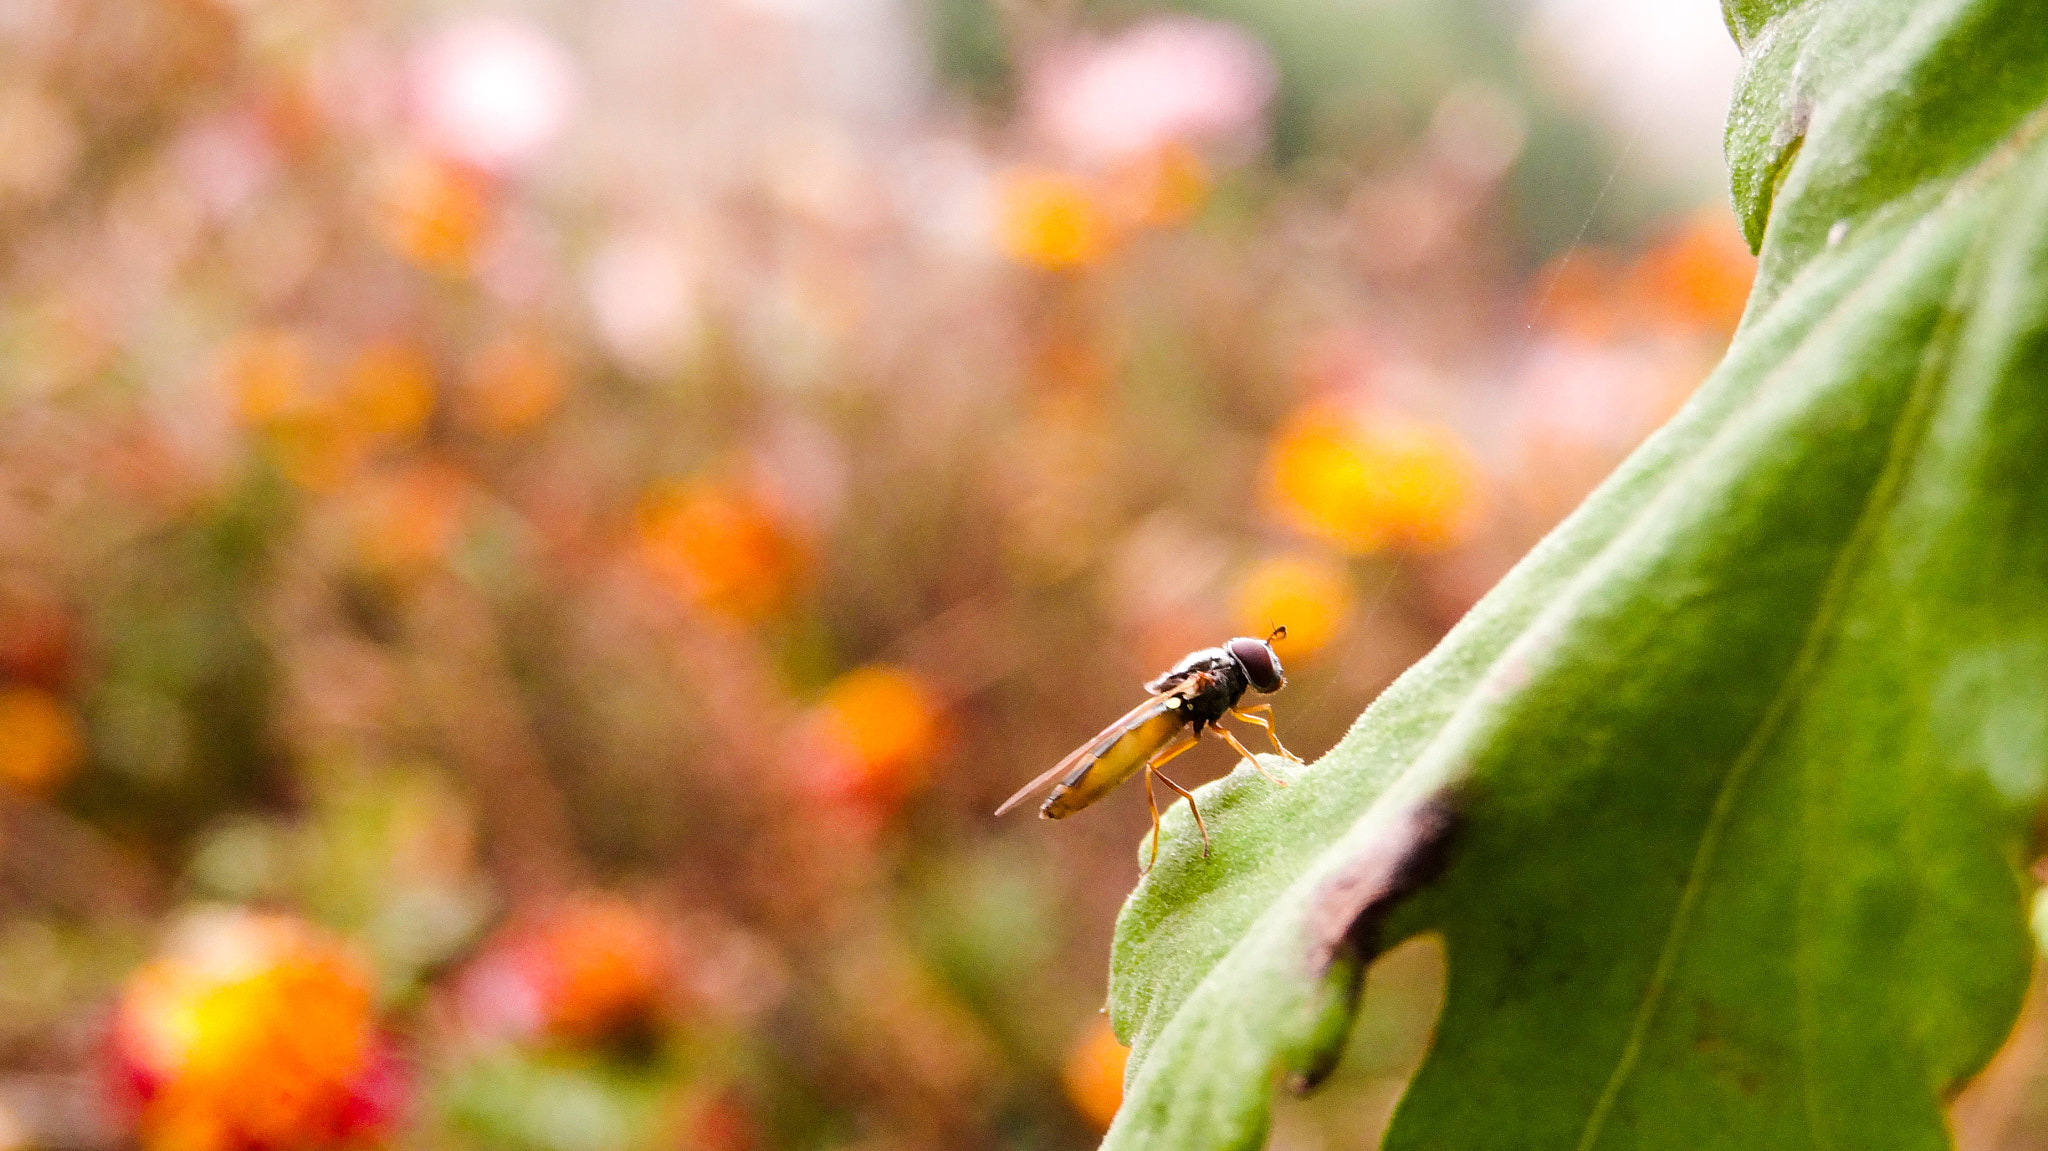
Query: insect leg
(1155, 821)
(1256, 765)
(1181, 742)
(1191, 806)
(1245, 714)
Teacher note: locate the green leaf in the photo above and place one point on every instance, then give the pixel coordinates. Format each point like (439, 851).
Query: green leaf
(1720, 799)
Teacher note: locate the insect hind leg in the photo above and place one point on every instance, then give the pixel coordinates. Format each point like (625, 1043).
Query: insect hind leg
(1203, 827)
(1181, 743)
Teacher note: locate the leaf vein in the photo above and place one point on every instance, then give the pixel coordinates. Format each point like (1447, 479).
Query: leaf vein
(1899, 455)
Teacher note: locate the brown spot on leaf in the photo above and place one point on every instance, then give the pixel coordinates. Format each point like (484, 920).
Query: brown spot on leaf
(1347, 910)
(1345, 916)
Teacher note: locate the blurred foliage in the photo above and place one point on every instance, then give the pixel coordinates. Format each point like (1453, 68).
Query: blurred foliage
(1357, 79)
(538, 534)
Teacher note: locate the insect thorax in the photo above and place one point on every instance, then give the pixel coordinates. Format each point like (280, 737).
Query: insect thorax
(1220, 683)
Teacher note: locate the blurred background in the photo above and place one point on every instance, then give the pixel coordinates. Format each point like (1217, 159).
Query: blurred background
(534, 535)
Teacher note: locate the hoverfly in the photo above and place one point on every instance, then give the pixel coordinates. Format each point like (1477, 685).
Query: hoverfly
(1199, 691)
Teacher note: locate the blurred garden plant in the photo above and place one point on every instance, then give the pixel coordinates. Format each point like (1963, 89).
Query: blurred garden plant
(531, 539)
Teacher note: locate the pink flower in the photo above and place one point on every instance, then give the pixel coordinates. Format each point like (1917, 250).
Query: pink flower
(1172, 79)
(491, 91)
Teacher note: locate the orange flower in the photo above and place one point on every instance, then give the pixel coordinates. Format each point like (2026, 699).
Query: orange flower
(408, 519)
(1311, 596)
(40, 744)
(1580, 294)
(266, 373)
(1699, 276)
(588, 969)
(1051, 220)
(320, 432)
(434, 213)
(610, 965)
(277, 386)
(1371, 480)
(254, 1032)
(872, 735)
(389, 390)
(1094, 1074)
(719, 549)
(512, 384)
(318, 447)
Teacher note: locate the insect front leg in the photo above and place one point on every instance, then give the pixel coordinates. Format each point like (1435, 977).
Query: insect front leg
(1256, 765)
(1245, 714)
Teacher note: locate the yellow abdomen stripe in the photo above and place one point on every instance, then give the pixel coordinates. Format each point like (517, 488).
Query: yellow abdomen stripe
(1116, 757)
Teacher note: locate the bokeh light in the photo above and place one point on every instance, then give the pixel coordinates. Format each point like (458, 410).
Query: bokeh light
(1158, 82)
(872, 737)
(1311, 596)
(1053, 220)
(490, 90)
(1093, 1074)
(40, 744)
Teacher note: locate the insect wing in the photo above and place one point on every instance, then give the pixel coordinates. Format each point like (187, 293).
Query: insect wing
(1093, 749)
(1116, 758)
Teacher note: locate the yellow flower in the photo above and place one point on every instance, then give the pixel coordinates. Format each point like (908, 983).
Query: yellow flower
(872, 736)
(256, 1031)
(1367, 481)
(1051, 220)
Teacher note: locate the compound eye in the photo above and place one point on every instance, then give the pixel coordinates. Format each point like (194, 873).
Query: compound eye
(1260, 664)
